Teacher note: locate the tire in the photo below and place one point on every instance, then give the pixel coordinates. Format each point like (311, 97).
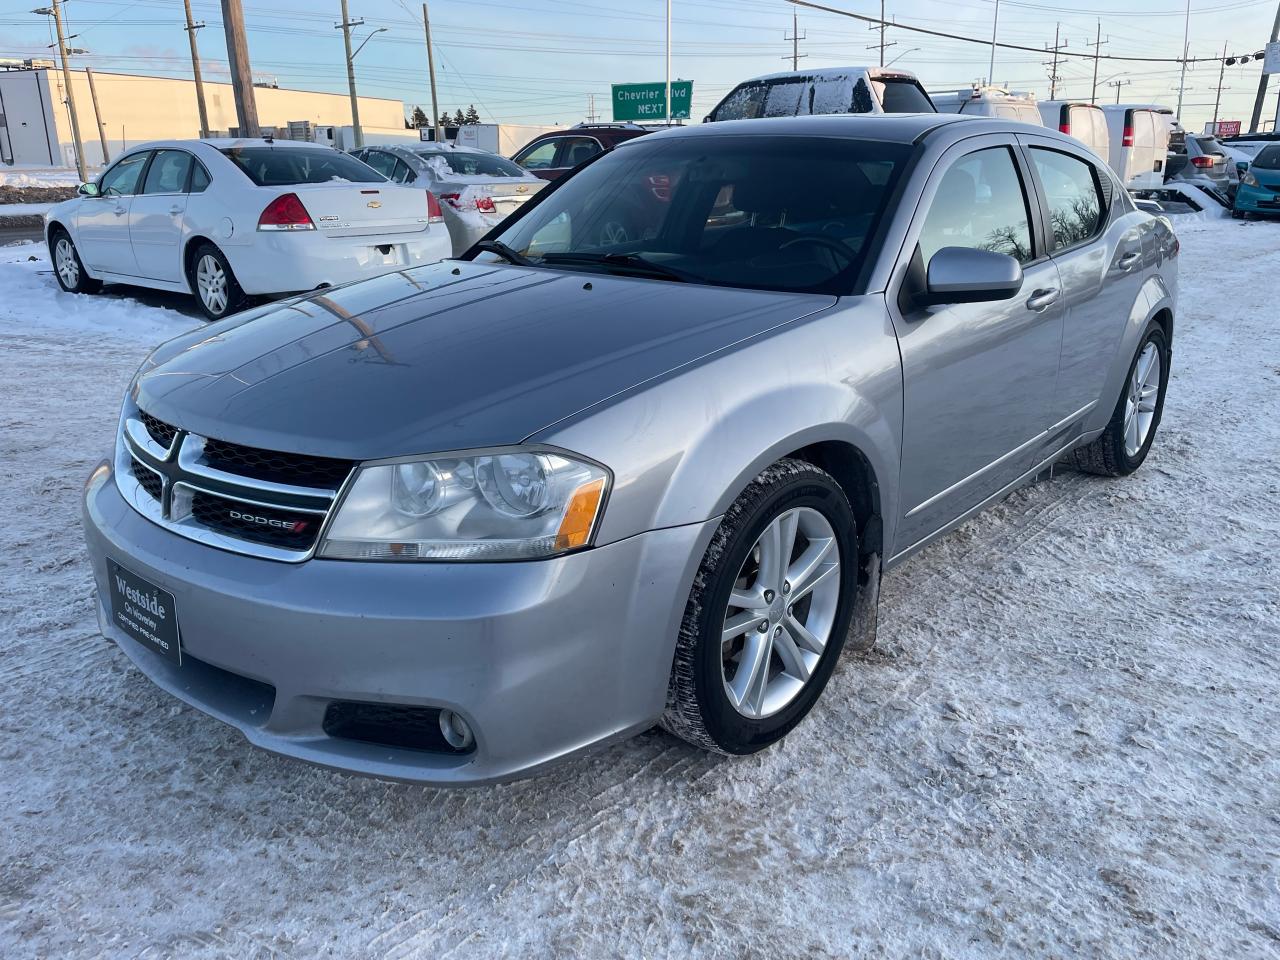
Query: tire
(700, 708)
(67, 266)
(1112, 453)
(1237, 214)
(214, 284)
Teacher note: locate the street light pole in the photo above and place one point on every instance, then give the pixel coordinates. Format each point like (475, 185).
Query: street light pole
(55, 11)
(241, 71)
(991, 69)
(668, 61)
(1262, 81)
(1217, 100)
(97, 116)
(345, 27)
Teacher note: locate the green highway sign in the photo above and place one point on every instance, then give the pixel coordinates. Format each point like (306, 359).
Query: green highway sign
(648, 101)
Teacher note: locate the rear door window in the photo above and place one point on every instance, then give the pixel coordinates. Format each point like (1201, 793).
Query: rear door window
(1071, 187)
(980, 203)
(784, 98)
(576, 150)
(168, 172)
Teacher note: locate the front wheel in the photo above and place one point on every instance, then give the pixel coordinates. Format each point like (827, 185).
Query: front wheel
(215, 286)
(1124, 444)
(67, 266)
(768, 613)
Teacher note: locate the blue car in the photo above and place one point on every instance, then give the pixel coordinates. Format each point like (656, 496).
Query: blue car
(1260, 187)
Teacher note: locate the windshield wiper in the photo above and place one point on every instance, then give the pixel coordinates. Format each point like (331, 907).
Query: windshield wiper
(509, 254)
(624, 262)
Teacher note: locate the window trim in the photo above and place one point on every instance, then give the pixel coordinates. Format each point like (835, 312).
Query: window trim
(191, 176)
(1104, 208)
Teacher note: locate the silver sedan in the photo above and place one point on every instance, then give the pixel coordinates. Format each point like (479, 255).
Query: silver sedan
(467, 519)
(476, 189)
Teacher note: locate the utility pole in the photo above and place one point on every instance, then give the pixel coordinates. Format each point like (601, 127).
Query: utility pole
(241, 72)
(56, 12)
(1118, 84)
(883, 27)
(995, 22)
(795, 39)
(191, 29)
(1217, 100)
(97, 115)
(345, 26)
(669, 63)
(438, 134)
(1097, 45)
(1262, 81)
(1186, 46)
(1053, 73)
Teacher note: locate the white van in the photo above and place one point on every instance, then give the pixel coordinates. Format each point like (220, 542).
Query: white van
(1139, 144)
(831, 90)
(1084, 121)
(989, 102)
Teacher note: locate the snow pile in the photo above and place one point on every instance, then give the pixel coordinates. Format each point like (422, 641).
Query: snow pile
(23, 175)
(1064, 744)
(23, 209)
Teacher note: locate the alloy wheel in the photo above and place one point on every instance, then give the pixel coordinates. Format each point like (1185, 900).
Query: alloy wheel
(1140, 404)
(780, 613)
(64, 259)
(211, 280)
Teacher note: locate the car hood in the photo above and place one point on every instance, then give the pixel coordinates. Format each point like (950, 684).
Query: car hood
(444, 357)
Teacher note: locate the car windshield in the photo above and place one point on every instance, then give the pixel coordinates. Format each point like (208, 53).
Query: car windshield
(475, 164)
(1268, 158)
(281, 166)
(776, 213)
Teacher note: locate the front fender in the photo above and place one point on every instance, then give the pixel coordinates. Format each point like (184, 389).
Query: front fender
(683, 447)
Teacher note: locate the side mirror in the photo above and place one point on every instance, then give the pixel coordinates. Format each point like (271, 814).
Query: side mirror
(88, 190)
(966, 275)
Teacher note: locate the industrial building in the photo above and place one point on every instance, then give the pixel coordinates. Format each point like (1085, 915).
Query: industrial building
(35, 121)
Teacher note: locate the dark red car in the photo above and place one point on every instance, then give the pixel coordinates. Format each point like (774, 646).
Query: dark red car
(552, 155)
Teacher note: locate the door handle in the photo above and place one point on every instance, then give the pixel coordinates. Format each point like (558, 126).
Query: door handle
(119, 211)
(175, 209)
(1043, 299)
(1128, 260)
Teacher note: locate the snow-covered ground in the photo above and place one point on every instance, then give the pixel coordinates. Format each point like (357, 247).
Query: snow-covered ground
(26, 175)
(1065, 744)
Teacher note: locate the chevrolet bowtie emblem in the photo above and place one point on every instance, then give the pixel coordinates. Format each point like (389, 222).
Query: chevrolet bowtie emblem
(374, 204)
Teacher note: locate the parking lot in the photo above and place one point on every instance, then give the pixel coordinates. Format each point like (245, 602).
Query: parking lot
(1063, 744)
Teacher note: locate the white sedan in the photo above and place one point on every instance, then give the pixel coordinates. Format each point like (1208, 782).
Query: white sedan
(230, 219)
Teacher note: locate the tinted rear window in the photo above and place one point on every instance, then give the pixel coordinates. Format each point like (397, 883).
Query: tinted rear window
(476, 164)
(282, 166)
(902, 96)
(1268, 158)
(1209, 146)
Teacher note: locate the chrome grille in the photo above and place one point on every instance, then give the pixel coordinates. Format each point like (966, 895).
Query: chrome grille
(236, 498)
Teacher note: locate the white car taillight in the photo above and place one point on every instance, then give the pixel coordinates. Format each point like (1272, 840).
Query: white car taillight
(285, 212)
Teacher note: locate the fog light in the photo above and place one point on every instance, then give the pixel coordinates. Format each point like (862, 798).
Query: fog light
(457, 732)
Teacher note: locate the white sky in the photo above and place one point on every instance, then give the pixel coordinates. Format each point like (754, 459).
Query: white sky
(539, 60)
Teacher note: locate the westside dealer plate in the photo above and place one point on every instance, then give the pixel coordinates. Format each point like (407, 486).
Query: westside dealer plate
(144, 611)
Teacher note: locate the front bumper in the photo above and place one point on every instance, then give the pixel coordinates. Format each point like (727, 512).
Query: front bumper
(295, 261)
(1257, 199)
(543, 659)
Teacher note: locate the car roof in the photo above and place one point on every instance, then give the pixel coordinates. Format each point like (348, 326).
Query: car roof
(833, 73)
(892, 127)
(227, 143)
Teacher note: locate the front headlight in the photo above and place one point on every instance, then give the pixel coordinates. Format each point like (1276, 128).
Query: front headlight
(1249, 180)
(506, 504)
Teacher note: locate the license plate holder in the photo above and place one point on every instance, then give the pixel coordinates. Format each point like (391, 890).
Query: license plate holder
(144, 612)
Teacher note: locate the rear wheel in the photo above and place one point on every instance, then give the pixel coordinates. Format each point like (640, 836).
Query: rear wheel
(215, 286)
(67, 266)
(768, 613)
(1126, 441)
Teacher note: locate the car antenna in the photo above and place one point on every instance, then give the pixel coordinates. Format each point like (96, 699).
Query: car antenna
(269, 138)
